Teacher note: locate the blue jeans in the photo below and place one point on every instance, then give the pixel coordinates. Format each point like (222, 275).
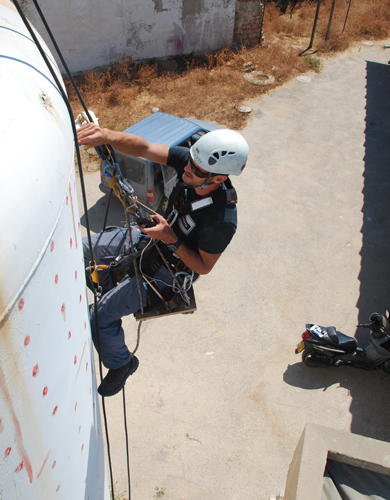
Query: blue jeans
(117, 300)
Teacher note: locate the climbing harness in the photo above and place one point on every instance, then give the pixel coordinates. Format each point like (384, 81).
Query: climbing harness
(134, 208)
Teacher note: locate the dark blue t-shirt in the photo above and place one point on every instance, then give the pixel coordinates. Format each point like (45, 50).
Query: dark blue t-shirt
(209, 228)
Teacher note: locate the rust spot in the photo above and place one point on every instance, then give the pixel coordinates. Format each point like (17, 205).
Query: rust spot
(46, 101)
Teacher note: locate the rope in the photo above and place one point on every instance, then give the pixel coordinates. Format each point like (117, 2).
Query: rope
(127, 443)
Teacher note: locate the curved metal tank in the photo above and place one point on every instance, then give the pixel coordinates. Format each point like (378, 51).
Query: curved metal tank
(50, 432)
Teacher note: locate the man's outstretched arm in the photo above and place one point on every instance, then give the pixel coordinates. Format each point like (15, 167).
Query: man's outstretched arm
(130, 144)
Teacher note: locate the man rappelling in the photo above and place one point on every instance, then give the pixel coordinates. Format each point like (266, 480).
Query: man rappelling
(204, 202)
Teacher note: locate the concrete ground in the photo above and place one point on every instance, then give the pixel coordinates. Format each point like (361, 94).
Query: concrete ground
(220, 399)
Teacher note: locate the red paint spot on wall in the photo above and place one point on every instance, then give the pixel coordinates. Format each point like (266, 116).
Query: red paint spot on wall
(55, 410)
(43, 465)
(54, 464)
(71, 243)
(35, 370)
(75, 275)
(79, 429)
(21, 304)
(85, 480)
(45, 391)
(26, 340)
(7, 452)
(19, 467)
(78, 226)
(63, 310)
(56, 279)
(74, 220)
(81, 298)
(75, 359)
(58, 487)
(51, 246)
(69, 335)
(82, 447)
(67, 199)
(18, 433)
(86, 366)
(85, 324)
(75, 407)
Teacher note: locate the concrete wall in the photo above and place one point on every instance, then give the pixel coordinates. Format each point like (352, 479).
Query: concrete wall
(305, 479)
(93, 33)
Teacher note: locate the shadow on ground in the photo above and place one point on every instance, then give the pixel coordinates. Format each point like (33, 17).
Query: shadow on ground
(369, 390)
(97, 214)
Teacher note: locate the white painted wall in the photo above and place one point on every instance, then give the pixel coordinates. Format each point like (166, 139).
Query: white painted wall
(95, 33)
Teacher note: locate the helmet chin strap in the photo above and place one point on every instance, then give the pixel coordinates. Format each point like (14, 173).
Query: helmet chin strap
(206, 184)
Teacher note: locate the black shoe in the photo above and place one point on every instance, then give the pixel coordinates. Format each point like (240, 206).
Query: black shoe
(115, 380)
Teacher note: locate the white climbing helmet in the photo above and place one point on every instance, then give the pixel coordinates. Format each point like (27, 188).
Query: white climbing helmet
(221, 151)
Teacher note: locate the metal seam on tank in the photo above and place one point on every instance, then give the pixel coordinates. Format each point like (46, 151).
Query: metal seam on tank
(2, 56)
(49, 56)
(36, 264)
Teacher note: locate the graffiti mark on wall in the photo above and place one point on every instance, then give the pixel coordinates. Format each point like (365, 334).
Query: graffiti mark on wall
(158, 6)
(183, 42)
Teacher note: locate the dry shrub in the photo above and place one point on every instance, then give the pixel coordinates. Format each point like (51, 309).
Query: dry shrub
(288, 26)
(200, 76)
(220, 58)
(147, 73)
(272, 20)
(114, 95)
(92, 82)
(124, 68)
(335, 43)
(369, 19)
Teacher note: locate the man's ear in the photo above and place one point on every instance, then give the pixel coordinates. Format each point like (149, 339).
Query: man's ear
(220, 178)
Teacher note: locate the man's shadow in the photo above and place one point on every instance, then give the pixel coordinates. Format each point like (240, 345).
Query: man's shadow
(370, 391)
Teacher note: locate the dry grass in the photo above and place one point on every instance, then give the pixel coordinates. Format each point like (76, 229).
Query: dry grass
(212, 87)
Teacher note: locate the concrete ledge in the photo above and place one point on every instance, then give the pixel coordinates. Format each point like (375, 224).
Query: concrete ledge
(305, 478)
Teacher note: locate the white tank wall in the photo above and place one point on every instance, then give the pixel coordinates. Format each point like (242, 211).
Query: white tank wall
(93, 33)
(50, 433)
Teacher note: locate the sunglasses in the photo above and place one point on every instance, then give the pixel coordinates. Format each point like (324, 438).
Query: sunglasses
(195, 170)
